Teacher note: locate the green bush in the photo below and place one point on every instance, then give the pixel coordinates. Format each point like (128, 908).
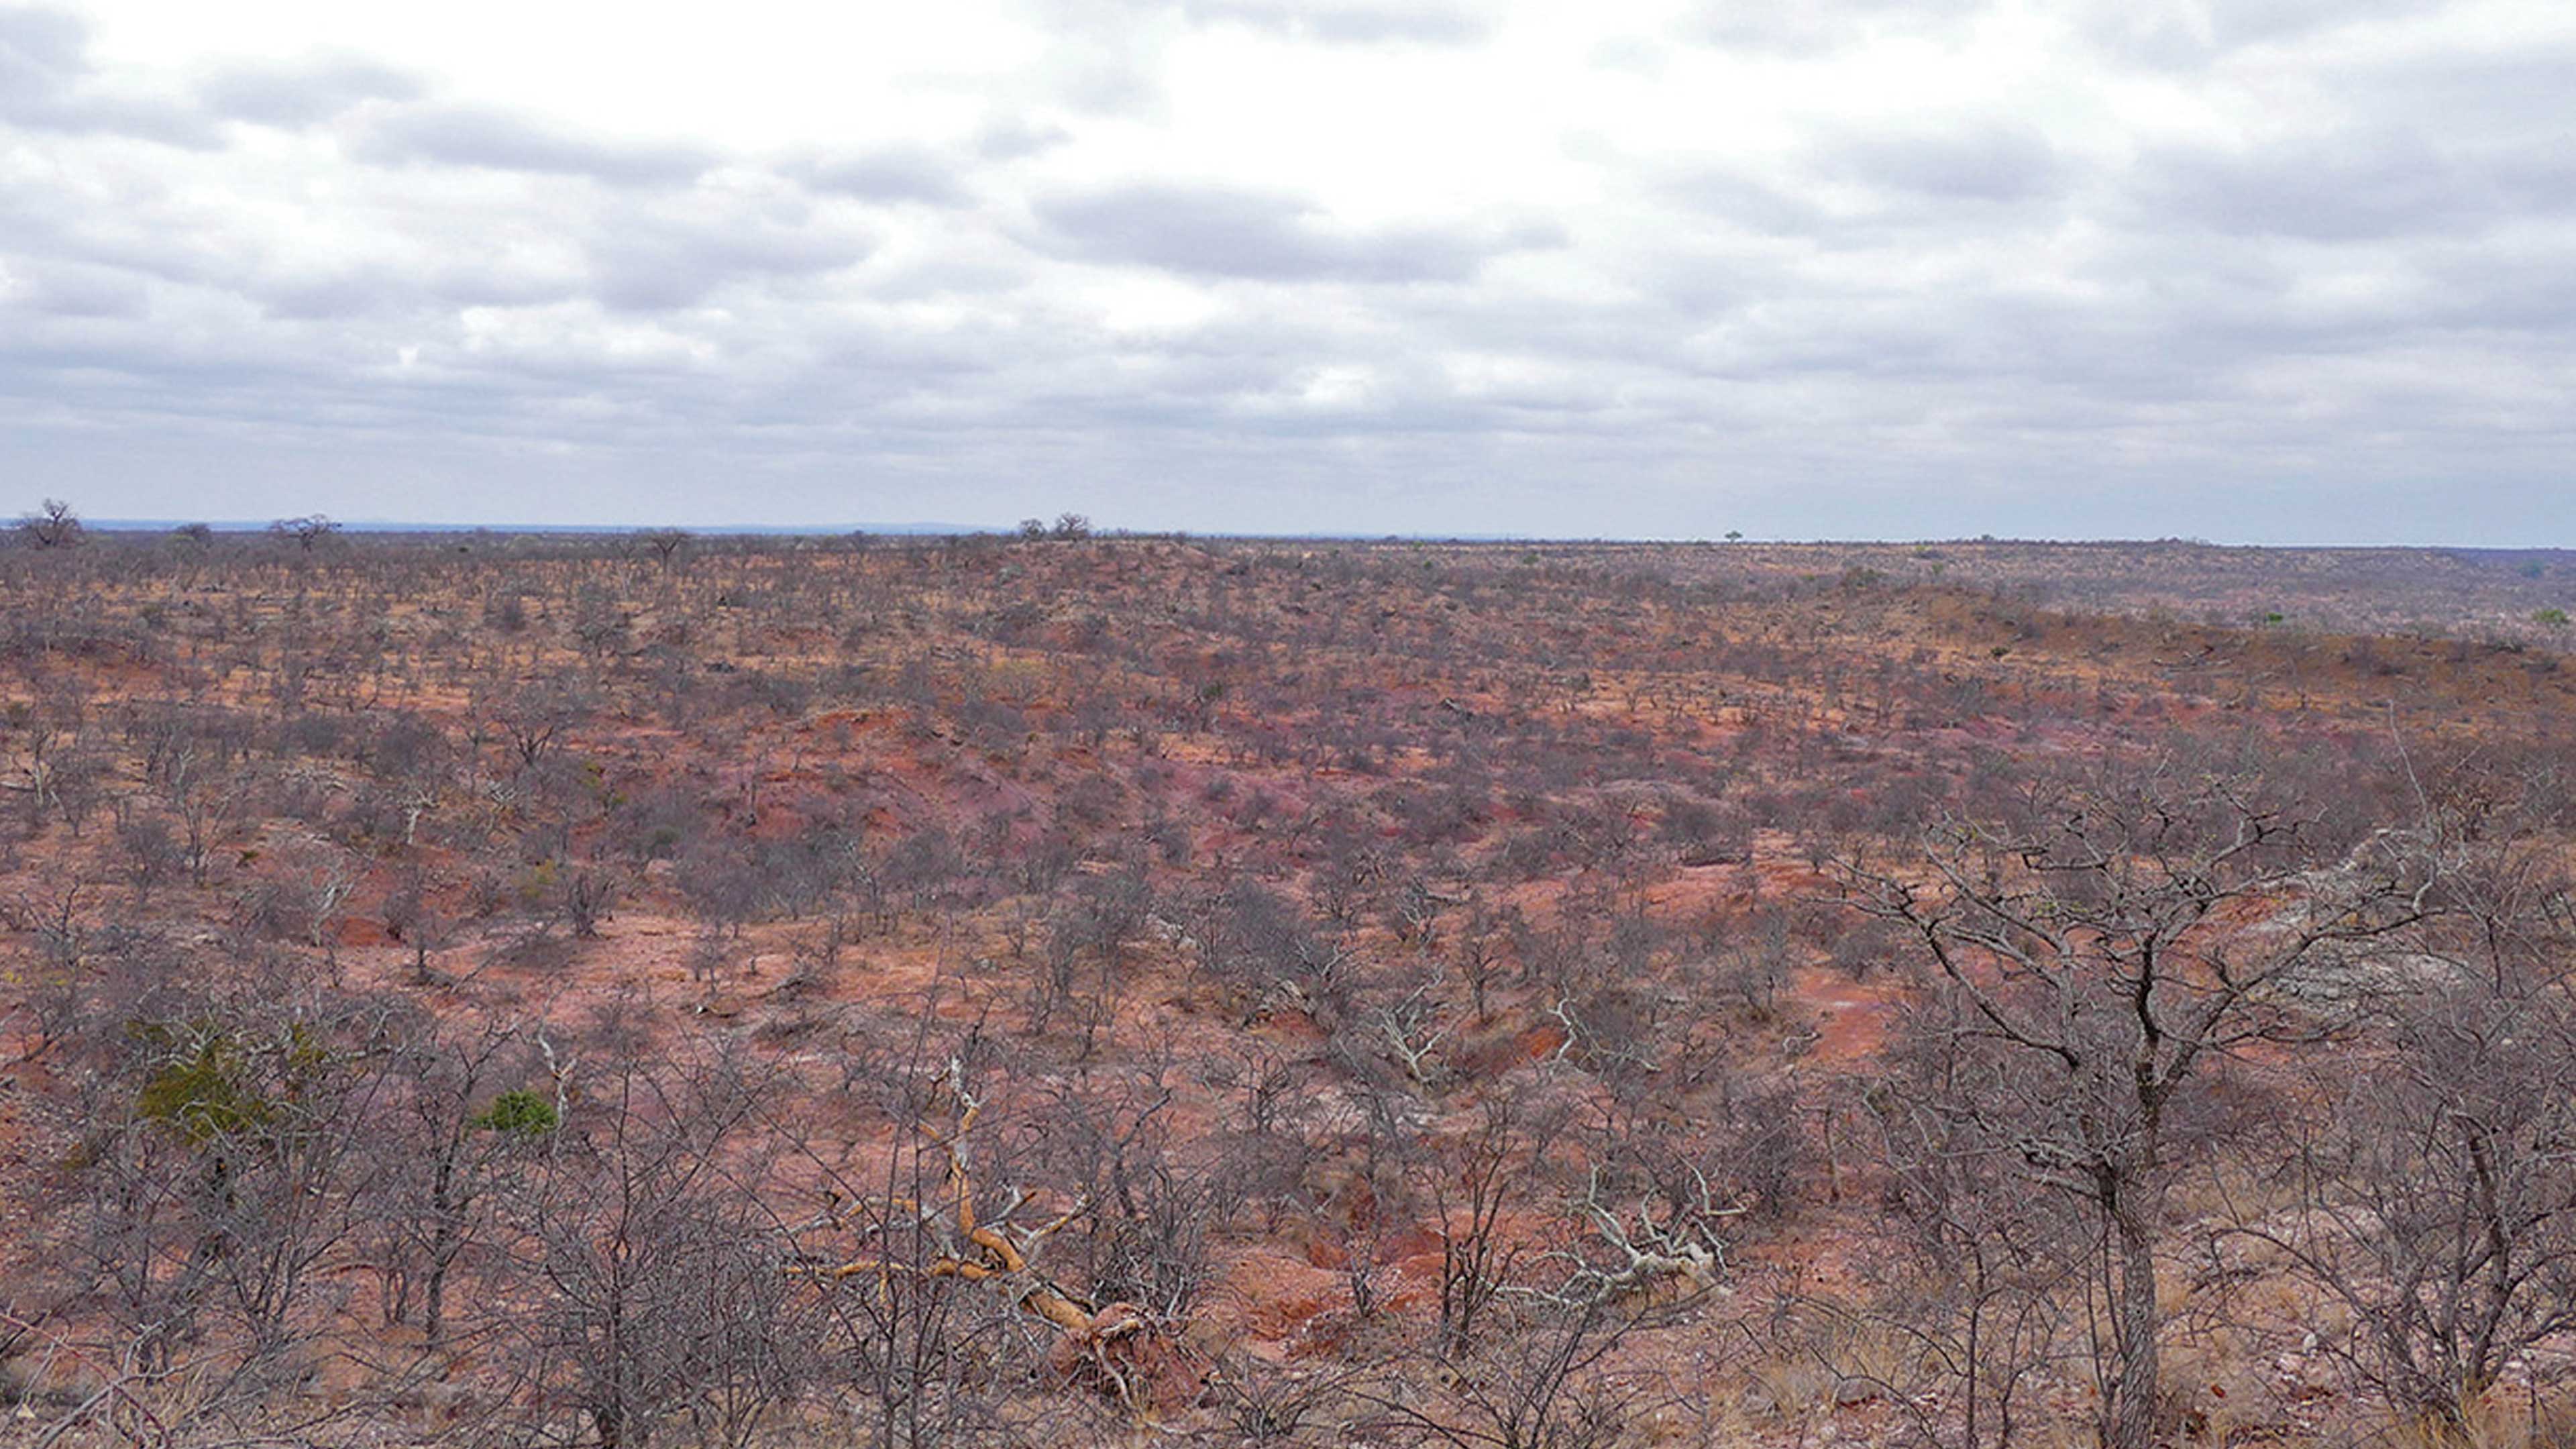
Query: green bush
(203, 1095)
(522, 1112)
(213, 1082)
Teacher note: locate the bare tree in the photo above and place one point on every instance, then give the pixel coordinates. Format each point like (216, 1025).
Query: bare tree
(1145, 1238)
(1537, 1384)
(650, 1281)
(1981, 1285)
(53, 525)
(1471, 1189)
(534, 720)
(664, 543)
(2104, 956)
(306, 532)
(225, 1178)
(2434, 1196)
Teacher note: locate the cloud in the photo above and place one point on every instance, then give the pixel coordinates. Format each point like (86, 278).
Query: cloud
(902, 173)
(1981, 162)
(37, 45)
(1268, 236)
(1866, 266)
(2180, 34)
(47, 83)
(1817, 27)
(652, 261)
(1010, 138)
(461, 135)
(1354, 22)
(302, 94)
(2346, 188)
(1741, 201)
(73, 290)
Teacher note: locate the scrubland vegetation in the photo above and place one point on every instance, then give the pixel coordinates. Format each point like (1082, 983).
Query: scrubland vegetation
(1070, 989)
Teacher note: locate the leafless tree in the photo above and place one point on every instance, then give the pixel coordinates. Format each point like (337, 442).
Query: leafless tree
(2105, 955)
(533, 721)
(223, 1183)
(306, 532)
(957, 1226)
(1534, 1383)
(53, 525)
(1472, 1188)
(1984, 1288)
(1111, 1142)
(651, 1281)
(2433, 1195)
(664, 543)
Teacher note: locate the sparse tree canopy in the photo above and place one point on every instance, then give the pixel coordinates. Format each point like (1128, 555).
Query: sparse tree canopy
(306, 531)
(52, 526)
(664, 543)
(2098, 958)
(980, 991)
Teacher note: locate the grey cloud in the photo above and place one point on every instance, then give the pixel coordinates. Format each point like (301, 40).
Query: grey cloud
(490, 282)
(332, 296)
(1009, 138)
(2170, 34)
(47, 83)
(895, 174)
(1352, 22)
(300, 95)
(1991, 163)
(39, 43)
(2241, 22)
(1229, 232)
(2522, 93)
(2498, 138)
(2335, 189)
(1816, 26)
(1329, 22)
(1743, 202)
(74, 289)
(647, 263)
(456, 135)
(1893, 311)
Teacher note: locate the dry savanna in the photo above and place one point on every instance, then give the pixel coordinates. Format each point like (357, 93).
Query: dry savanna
(1049, 990)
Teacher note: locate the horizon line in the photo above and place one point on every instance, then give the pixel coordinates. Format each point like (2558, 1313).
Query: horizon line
(920, 529)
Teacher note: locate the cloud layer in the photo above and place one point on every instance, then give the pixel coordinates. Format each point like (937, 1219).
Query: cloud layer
(2245, 269)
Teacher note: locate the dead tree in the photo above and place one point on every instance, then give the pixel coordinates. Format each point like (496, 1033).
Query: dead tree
(1117, 1348)
(1640, 1252)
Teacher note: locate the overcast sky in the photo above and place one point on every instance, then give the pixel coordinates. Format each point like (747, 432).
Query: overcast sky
(2251, 270)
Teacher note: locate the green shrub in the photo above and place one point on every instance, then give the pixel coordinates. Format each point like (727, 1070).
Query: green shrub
(202, 1094)
(214, 1082)
(522, 1112)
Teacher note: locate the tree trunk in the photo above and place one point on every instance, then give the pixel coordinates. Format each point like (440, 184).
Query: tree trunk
(2129, 1416)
